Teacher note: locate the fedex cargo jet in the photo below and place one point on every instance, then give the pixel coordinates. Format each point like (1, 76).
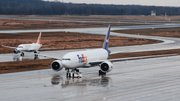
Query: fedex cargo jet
(85, 59)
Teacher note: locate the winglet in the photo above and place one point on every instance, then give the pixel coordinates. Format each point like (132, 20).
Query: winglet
(106, 41)
(39, 39)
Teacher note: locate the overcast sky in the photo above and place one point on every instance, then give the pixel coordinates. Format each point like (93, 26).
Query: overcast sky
(124, 2)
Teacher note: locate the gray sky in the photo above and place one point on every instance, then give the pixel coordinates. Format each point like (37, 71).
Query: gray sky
(124, 2)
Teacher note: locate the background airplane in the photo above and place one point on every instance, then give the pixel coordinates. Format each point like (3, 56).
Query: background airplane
(34, 47)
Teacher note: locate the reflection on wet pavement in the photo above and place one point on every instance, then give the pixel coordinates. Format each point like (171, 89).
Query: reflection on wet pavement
(21, 58)
(101, 81)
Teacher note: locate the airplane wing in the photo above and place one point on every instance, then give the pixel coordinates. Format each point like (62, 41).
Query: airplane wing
(51, 48)
(115, 53)
(50, 56)
(141, 57)
(9, 47)
(93, 63)
(97, 62)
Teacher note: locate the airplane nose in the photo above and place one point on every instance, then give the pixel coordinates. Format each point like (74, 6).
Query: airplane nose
(19, 48)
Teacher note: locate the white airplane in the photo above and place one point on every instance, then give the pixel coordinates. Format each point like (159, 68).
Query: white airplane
(34, 47)
(86, 59)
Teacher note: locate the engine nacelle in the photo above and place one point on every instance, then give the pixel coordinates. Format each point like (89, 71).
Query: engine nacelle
(106, 66)
(15, 51)
(56, 65)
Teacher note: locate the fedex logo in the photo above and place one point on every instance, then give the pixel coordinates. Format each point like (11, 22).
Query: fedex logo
(82, 58)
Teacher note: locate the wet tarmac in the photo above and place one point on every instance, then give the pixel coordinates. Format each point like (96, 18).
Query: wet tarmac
(154, 79)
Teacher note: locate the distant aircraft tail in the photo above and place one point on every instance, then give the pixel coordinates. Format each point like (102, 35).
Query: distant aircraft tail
(106, 41)
(39, 39)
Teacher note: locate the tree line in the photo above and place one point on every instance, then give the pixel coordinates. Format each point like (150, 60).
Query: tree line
(38, 7)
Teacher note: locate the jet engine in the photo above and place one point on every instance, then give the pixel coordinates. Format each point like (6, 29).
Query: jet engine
(106, 66)
(15, 51)
(56, 65)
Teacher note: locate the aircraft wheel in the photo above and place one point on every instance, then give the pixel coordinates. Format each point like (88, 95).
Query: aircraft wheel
(69, 74)
(101, 73)
(22, 54)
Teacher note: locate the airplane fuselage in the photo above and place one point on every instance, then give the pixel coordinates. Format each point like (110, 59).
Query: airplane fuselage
(29, 47)
(82, 58)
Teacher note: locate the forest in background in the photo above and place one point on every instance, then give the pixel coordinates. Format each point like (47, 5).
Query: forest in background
(38, 7)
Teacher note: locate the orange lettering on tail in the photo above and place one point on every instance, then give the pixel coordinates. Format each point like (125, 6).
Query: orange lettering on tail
(85, 58)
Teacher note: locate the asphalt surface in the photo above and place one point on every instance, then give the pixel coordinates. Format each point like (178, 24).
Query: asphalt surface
(155, 79)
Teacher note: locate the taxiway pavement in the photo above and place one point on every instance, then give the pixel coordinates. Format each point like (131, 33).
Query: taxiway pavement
(156, 79)
(169, 43)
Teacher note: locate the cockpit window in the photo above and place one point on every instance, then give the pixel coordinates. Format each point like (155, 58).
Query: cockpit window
(66, 59)
(20, 46)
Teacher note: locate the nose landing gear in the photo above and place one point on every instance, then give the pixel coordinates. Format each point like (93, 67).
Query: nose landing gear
(73, 74)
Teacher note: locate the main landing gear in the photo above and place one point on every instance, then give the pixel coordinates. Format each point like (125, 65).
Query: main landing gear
(73, 74)
(101, 73)
(35, 55)
(22, 54)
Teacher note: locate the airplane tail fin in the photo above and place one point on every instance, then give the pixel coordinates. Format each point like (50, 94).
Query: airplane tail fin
(106, 41)
(39, 39)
